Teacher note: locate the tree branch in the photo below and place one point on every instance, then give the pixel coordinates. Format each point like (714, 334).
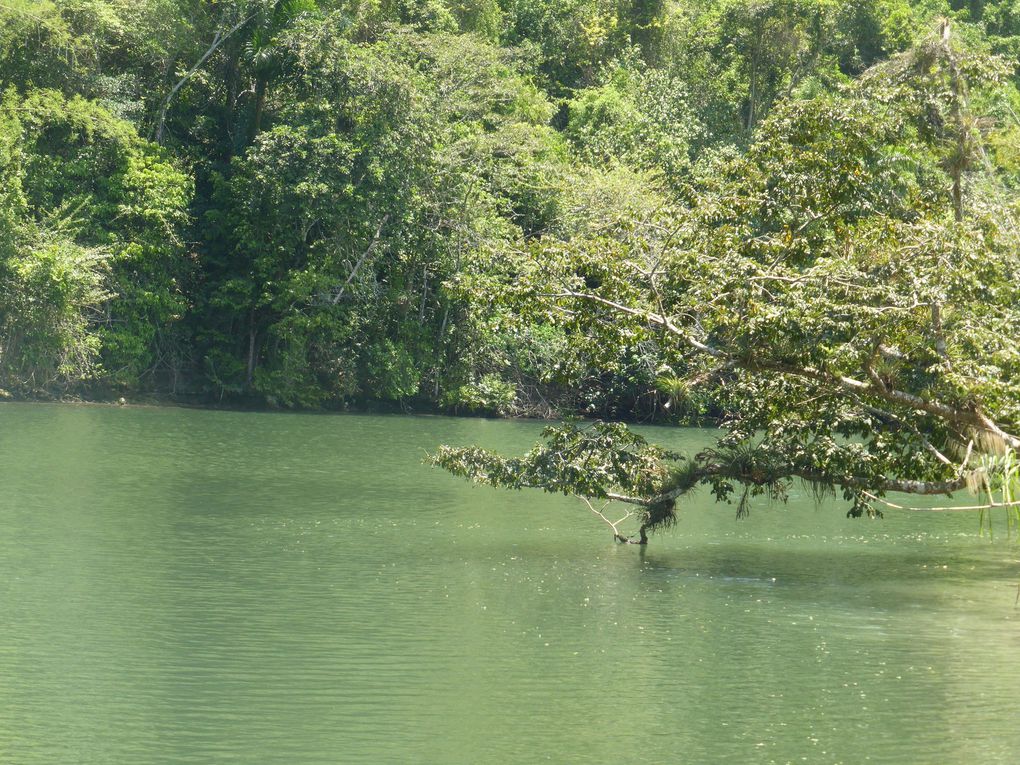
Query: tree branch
(218, 39)
(361, 260)
(614, 525)
(960, 417)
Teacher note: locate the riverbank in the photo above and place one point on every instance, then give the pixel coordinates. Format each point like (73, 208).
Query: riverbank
(354, 406)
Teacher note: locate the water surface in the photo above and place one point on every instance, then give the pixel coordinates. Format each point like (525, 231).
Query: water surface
(213, 587)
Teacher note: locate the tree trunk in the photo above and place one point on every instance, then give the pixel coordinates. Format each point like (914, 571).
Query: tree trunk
(424, 294)
(261, 84)
(936, 327)
(641, 540)
(958, 190)
(232, 85)
(251, 351)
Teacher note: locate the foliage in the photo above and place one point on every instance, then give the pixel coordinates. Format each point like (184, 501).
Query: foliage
(49, 286)
(598, 461)
(640, 118)
(96, 209)
(845, 291)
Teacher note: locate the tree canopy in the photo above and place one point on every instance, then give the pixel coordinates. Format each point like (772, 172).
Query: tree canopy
(845, 292)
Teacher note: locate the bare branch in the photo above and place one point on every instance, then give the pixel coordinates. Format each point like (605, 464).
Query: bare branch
(614, 525)
(962, 508)
(970, 418)
(218, 39)
(361, 260)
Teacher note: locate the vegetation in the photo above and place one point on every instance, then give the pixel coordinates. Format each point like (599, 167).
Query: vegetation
(798, 218)
(845, 291)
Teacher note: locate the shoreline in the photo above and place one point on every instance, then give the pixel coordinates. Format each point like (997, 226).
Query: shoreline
(371, 407)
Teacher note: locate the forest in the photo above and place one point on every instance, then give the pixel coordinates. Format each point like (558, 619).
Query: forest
(317, 204)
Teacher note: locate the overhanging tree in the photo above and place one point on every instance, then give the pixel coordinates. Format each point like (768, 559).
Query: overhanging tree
(853, 327)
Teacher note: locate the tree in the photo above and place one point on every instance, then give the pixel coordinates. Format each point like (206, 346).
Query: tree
(266, 55)
(96, 214)
(854, 331)
(335, 235)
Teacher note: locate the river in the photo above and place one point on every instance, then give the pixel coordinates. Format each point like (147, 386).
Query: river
(182, 586)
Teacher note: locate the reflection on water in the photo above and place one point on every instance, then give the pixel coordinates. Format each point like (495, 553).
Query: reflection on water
(197, 587)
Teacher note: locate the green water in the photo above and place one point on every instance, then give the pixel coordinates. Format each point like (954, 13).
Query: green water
(210, 587)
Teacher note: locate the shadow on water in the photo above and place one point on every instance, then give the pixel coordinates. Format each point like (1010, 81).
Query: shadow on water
(805, 573)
